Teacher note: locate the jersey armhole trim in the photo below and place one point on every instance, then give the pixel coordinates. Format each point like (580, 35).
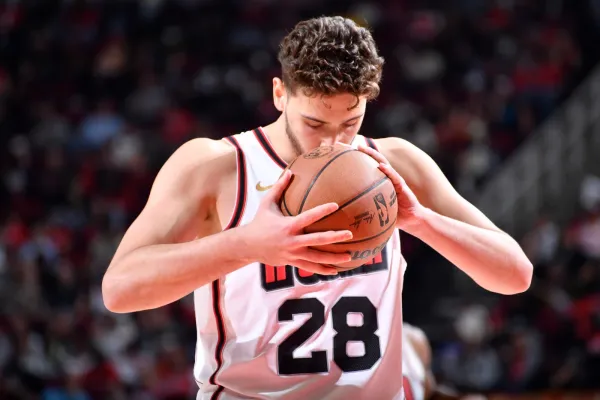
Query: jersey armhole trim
(407, 388)
(236, 218)
(240, 202)
(268, 148)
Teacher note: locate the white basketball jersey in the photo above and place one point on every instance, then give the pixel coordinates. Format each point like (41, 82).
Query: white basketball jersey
(413, 372)
(277, 332)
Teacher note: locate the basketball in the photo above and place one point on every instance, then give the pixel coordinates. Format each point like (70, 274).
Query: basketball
(365, 196)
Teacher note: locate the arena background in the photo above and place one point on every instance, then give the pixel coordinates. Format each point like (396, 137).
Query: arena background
(95, 95)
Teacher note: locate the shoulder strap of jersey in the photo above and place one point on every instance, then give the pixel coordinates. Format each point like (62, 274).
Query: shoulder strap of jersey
(268, 148)
(240, 202)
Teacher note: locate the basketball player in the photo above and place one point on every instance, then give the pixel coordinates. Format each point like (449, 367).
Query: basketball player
(419, 382)
(274, 322)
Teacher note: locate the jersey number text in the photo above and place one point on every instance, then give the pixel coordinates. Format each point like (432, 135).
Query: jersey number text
(317, 362)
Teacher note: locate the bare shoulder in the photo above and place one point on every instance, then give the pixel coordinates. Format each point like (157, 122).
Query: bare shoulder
(417, 338)
(197, 167)
(182, 201)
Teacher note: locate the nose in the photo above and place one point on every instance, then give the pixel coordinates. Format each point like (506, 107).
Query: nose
(330, 140)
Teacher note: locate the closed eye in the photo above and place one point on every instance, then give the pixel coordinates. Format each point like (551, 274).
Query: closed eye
(317, 126)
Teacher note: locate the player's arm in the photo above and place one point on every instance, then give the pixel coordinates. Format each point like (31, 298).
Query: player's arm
(451, 225)
(176, 245)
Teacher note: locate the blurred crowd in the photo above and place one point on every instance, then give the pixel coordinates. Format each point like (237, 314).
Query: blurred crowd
(95, 95)
(548, 337)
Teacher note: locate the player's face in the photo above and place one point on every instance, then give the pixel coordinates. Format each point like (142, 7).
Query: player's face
(318, 120)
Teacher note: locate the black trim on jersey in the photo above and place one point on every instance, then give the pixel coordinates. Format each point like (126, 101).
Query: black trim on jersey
(371, 143)
(240, 205)
(216, 297)
(266, 145)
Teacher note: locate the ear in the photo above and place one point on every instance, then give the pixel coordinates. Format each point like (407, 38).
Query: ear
(279, 94)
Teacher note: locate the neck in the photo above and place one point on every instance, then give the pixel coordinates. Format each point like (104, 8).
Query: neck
(279, 140)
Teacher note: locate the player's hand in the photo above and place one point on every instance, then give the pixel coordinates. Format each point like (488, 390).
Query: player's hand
(280, 240)
(409, 208)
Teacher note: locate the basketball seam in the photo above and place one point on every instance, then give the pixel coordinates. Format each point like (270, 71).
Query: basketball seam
(358, 196)
(392, 225)
(282, 201)
(285, 205)
(316, 177)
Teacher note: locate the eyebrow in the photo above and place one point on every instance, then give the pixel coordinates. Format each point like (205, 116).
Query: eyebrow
(325, 122)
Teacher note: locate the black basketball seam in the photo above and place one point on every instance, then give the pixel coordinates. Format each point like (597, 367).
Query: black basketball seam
(361, 194)
(358, 196)
(366, 239)
(293, 161)
(285, 205)
(314, 180)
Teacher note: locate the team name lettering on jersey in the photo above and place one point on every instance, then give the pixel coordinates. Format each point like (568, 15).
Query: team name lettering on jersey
(287, 276)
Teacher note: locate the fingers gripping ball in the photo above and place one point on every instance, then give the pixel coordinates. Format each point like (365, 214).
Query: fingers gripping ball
(352, 179)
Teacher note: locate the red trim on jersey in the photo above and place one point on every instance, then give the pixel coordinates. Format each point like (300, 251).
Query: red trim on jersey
(236, 218)
(408, 390)
(268, 148)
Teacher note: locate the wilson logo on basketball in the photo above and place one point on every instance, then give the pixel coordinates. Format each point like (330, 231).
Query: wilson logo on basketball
(366, 254)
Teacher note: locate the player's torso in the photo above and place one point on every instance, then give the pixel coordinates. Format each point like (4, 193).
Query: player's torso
(279, 332)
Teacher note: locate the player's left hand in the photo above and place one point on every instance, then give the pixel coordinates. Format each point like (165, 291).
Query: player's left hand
(409, 208)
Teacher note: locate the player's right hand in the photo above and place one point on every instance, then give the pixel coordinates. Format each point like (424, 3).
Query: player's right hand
(276, 239)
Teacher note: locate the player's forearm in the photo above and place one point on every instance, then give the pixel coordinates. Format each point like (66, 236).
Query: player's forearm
(153, 276)
(492, 259)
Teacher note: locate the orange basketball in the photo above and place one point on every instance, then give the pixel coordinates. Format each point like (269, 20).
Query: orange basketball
(365, 195)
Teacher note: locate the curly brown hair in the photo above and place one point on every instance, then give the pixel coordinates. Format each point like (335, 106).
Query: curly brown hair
(329, 56)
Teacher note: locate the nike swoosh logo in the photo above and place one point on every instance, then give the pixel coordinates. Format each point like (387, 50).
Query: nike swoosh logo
(262, 188)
